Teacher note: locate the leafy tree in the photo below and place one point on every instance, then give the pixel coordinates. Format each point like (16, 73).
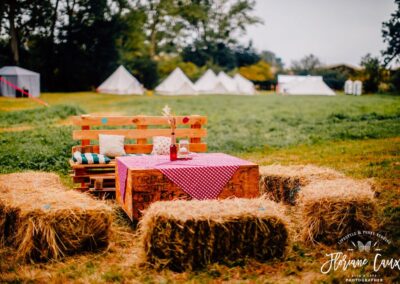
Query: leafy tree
(395, 80)
(272, 59)
(145, 70)
(19, 20)
(306, 66)
(208, 54)
(167, 64)
(259, 72)
(164, 26)
(391, 35)
(131, 40)
(335, 79)
(246, 55)
(203, 53)
(371, 75)
(215, 26)
(220, 21)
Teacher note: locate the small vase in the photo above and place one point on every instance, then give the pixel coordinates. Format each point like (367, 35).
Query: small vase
(173, 151)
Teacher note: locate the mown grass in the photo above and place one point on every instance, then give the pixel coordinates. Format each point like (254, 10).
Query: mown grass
(38, 116)
(236, 124)
(356, 135)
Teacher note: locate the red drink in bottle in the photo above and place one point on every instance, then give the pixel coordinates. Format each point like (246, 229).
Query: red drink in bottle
(173, 151)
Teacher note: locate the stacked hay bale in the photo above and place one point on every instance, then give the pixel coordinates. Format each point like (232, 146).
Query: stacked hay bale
(184, 235)
(283, 183)
(42, 220)
(326, 203)
(331, 209)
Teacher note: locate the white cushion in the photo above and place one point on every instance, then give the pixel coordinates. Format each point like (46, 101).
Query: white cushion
(111, 145)
(161, 145)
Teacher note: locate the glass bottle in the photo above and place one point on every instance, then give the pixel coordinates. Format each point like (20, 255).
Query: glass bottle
(173, 151)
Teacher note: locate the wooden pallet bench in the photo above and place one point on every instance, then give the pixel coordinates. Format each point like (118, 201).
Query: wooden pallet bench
(138, 131)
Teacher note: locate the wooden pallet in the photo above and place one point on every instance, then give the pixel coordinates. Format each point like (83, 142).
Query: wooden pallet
(98, 178)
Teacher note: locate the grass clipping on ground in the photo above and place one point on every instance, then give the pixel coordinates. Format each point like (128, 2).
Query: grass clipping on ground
(328, 204)
(189, 235)
(42, 220)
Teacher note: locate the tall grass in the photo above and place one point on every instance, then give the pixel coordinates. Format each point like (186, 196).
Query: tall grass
(37, 116)
(235, 124)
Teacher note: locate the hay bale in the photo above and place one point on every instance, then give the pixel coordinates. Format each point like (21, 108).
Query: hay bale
(327, 204)
(283, 183)
(182, 235)
(331, 209)
(43, 220)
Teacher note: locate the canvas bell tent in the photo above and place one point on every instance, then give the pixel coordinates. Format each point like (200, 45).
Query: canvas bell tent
(228, 84)
(209, 84)
(206, 83)
(121, 82)
(176, 84)
(303, 85)
(244, 86)
(19, 82)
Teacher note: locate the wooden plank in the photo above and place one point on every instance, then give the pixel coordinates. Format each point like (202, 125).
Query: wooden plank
(195, 139)
(145, 186)
(102, 176)
(138, 133)
(136, 149)
(106, 189)
(93, 166)
(144, 140)
(133, 120)
(85, 142)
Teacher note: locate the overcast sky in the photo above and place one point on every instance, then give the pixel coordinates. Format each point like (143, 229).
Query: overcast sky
(337, 31)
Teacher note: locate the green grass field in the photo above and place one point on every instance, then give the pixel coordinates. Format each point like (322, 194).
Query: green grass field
(359, 136)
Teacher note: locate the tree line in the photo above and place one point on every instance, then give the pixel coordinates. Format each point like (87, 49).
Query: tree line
(76, 44)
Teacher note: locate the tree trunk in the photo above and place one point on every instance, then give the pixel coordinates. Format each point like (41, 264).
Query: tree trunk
(54, 21)
(153, 37)
(13, 32)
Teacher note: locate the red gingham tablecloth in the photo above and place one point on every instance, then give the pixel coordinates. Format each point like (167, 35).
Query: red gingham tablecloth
(203, 177)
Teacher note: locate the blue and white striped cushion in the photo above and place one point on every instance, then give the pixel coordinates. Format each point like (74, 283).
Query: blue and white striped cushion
(90, 158)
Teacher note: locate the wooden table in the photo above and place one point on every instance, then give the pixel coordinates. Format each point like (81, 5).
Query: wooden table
(144, 186)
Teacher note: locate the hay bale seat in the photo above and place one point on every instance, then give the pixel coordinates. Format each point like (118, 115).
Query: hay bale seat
(42, 220)
(283, 183)
(188, 235)
(331, 209)
(327, 204)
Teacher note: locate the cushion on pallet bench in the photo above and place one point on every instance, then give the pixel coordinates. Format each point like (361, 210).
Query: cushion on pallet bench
(112, 145)
(90, 158)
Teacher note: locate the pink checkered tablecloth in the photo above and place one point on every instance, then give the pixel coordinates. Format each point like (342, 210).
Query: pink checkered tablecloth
(203, 177)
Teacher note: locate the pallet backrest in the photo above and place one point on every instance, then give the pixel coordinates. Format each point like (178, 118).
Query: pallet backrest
(137, 128)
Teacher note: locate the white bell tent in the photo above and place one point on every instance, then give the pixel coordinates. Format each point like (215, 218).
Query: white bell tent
(244, 86)
(209, 84)
(121, 82)
(206, 83)
(176, 84)
(303, 85)
(228, 84)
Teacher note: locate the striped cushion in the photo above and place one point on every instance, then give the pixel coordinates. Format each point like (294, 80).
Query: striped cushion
(90, 158)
